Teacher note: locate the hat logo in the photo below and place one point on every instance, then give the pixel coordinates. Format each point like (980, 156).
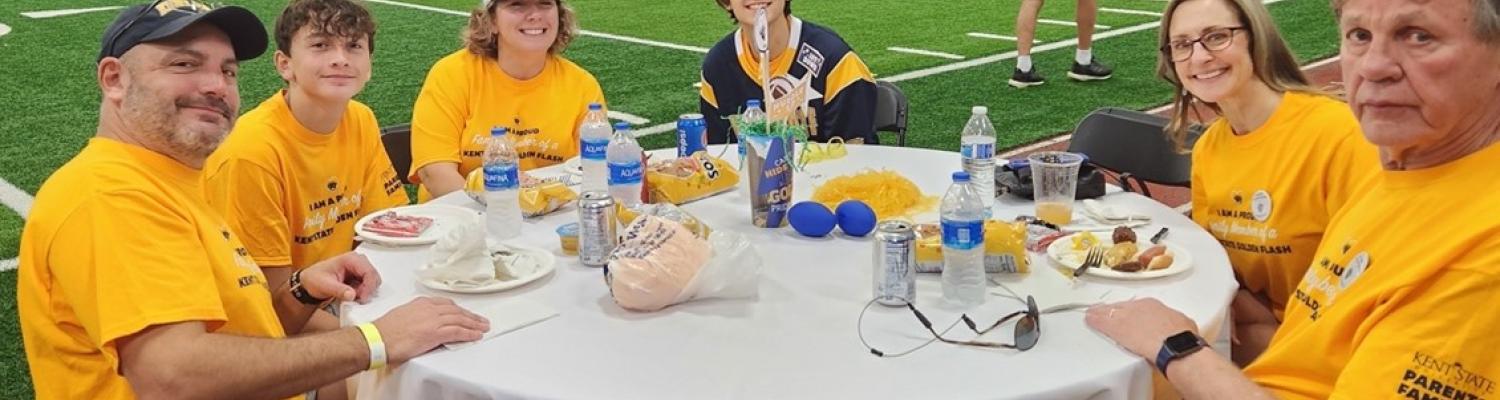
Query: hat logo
(166, 6)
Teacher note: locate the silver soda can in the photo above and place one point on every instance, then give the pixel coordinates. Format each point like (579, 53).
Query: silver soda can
(597, 235)
(895, 263)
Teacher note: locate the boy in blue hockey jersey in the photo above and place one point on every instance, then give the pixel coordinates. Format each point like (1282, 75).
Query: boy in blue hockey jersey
(840, 89)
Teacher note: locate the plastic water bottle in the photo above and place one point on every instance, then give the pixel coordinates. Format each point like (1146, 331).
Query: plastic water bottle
(625, 168)
(502, 187)
(593, 138)
(963, 216)
(979, 154)
(752, 115)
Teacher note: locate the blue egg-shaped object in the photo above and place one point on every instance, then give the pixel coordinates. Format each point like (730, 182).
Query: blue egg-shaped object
(811, 219)
(856, 218)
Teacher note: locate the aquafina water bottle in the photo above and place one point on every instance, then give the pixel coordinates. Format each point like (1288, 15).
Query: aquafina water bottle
(502, 187)
(963, 216)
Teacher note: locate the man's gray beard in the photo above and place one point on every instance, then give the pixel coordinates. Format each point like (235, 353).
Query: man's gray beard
(155, 118)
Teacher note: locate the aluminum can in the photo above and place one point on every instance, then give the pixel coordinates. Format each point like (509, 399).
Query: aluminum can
(597, 235)
(692, 134)
(895, 263)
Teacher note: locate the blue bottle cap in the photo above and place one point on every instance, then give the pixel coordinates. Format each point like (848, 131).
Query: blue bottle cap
(960, 176)
(498, 131)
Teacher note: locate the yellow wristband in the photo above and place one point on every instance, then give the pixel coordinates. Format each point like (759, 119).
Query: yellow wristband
(377, 346)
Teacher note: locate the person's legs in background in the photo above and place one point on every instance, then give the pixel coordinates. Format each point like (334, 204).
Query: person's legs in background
(1084, 67)
(1026, 74)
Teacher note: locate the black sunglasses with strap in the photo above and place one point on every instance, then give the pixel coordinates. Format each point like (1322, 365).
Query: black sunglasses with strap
(1027, 332)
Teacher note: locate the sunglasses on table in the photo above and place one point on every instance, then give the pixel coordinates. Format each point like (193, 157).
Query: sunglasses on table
(1028, 330)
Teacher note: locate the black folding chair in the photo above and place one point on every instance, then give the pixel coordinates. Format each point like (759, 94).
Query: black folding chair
(397, 139)
(890, 110)
(1133, 145)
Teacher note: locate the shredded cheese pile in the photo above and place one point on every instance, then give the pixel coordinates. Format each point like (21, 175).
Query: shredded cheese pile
(888, 193)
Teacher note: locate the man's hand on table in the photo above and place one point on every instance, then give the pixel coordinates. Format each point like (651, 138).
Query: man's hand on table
(425, 323)
(1140, 326)
(347, 277)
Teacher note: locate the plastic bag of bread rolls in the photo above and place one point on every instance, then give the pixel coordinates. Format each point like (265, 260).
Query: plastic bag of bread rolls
(660, 263)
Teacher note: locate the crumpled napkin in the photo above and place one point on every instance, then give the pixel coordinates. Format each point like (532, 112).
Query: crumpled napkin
(1111, 214)
(459, 258)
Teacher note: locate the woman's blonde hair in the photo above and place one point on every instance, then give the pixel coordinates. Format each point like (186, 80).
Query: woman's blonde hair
(481, 38)
(1273, 62)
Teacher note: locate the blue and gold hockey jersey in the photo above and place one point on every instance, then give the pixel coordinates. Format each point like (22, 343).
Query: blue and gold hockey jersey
(841, 94)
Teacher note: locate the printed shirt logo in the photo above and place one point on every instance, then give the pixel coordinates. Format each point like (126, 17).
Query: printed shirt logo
(1242, 227)
(1431, 377)
(1328, 278)
(810, 58)
(1260, 206)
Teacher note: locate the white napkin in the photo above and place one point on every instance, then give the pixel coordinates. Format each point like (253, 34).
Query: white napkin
(459, 258)
(1110, 214)
(506, 317)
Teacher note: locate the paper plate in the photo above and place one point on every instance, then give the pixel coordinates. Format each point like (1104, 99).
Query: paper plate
(444, 217)
(1061, 252)
(546, 264)
(573, 166)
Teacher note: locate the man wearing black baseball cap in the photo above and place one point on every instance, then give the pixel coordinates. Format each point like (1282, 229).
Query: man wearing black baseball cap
(131, 286)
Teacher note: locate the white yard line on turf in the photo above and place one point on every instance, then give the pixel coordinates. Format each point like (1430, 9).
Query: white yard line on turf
(1069, 23)
(921, 52)
(59, 13)
(986, 60)
(632, 119)
(655, 129)
(1129, 12)
(983, 35)
(10, 265)
(15, 198)
(603, 35)
(4, 29)
(1027, 149)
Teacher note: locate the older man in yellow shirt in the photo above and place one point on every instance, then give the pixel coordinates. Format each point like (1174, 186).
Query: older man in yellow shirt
(1397, 302)
(131, 286)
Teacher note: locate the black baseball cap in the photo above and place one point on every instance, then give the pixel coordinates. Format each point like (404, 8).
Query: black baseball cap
(163, 18)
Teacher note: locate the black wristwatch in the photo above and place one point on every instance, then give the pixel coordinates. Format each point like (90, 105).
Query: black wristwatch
(300, 293)
(1178, 346)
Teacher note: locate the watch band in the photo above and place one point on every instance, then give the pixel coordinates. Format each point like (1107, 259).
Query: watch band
(300, 293)
(1167, 354)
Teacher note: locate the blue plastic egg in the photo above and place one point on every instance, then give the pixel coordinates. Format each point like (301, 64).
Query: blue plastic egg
(856, 218)
(811, 219)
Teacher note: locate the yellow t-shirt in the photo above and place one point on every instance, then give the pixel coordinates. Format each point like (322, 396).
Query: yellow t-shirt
(293, 195)
(119, 240)
(466, 95)
(1267, 196)
(1400, 302)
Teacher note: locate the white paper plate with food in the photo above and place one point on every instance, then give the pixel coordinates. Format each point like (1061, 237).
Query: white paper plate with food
(512, 266)
(1141, 261)
(412, 225)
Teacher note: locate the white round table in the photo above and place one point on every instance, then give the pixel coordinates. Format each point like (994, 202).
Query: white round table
(798, 339)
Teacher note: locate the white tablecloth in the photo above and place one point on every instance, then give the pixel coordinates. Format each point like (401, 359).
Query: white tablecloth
(798, 339)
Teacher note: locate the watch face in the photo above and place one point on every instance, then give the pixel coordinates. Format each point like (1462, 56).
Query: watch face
(1182, 342)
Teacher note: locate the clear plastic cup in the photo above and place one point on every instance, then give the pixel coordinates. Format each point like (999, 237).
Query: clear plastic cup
(1054, 177)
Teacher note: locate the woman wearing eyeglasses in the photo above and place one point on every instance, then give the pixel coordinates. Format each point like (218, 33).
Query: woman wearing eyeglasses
(510, 74)
(1273, 167)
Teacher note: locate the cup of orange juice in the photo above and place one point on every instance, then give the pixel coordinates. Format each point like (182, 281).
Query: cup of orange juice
(1054, 178)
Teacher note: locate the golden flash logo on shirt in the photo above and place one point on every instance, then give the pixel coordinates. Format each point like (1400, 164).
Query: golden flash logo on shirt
(1430, 377)
(1330, 277)
(324, 214)
(1244, 227)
